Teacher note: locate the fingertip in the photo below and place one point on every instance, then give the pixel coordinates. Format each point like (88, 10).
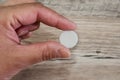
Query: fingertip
(65, 53)
(59, 50)
(73, 25)
(66, 24)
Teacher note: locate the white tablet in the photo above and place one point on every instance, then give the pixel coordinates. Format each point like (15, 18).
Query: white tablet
(69, 39)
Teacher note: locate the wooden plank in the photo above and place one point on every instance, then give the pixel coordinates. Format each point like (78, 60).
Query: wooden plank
(96, 57)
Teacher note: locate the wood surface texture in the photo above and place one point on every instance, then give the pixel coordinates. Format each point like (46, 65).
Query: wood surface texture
(85, 7)
(110, 8)
(96, 57)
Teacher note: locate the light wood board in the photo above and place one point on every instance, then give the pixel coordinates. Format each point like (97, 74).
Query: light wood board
(96, 57)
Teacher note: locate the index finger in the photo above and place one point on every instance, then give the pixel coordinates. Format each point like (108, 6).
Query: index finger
(52, 18)
(32, 12)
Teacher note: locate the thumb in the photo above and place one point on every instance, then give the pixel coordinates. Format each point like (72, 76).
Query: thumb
(34, 53)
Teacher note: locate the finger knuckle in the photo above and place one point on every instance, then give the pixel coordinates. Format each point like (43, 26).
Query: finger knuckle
(49, 51)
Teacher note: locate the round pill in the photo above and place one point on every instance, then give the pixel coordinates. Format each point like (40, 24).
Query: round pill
(69, 39)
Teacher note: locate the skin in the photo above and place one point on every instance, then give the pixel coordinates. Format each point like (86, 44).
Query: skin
(17, 21)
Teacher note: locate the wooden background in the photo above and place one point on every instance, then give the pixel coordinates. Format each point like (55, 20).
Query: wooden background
(85, 7)
(96, 57)
(109, 8)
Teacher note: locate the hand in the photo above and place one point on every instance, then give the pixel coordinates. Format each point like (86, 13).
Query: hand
(16, 22)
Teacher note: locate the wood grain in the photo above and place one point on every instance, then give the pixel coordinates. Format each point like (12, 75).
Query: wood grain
(85, 7)
(96, 57)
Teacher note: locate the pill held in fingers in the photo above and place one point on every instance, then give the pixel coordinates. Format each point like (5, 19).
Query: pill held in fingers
(69, 39)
